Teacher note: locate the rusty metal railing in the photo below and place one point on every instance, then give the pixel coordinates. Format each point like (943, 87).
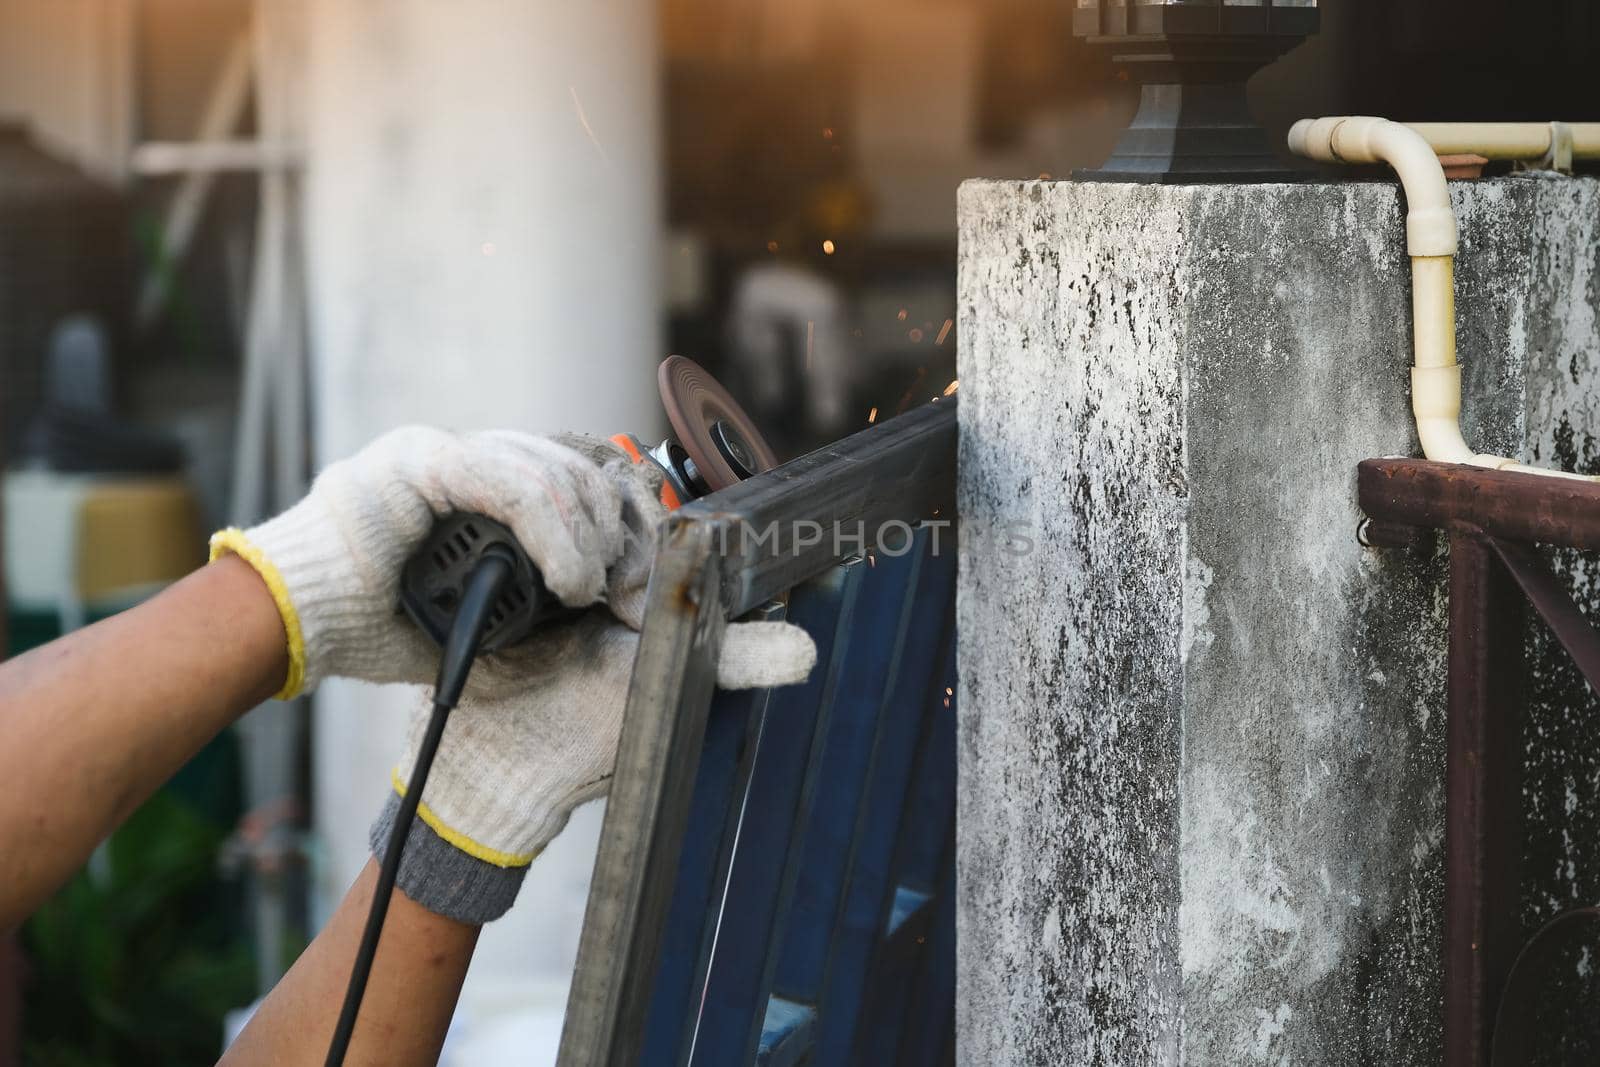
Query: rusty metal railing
(1493, 520)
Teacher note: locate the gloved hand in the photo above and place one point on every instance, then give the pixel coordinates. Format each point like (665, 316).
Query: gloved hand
(333, 561)
(536, 733)
(535, 737)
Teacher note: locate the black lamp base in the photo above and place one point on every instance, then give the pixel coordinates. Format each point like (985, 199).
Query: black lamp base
(1192, 134)
(1194, 123)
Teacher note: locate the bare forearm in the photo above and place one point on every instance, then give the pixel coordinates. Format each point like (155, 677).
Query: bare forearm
(92, 724)
(416, 977)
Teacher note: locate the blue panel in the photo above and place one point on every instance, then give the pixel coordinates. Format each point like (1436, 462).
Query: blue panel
(766, 861)
(931, 1013)
(872, 652)
(733, 726)
(787, 1033)
(917, 690)
(920, 852)
(906, 966)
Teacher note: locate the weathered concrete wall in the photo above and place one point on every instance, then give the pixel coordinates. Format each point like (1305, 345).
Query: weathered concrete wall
(1202, 729)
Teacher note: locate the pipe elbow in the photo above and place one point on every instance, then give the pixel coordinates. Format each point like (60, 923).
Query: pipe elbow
(1436, 403)
(1433, 239)
(1430, 220)
(1442, 443)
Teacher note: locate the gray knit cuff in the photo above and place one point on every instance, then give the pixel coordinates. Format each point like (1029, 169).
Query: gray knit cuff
(441, 877)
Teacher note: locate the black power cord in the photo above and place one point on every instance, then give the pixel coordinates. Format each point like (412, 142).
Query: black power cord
(489, 577)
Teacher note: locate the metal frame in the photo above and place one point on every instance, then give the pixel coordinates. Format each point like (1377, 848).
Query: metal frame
(1492, 518)
(718, 561)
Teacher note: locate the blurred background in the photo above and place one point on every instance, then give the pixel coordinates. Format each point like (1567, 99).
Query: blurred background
(239, 239)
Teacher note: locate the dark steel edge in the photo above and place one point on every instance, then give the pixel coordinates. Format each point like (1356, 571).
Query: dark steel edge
(901, 471)
(663, 728)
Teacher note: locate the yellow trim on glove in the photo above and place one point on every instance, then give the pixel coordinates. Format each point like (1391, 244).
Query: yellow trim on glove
(460, 840)
(233, 540)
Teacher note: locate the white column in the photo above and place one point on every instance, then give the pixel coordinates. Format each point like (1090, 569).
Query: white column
(482, 235)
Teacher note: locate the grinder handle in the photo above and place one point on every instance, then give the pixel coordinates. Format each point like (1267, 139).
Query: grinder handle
(435, 577)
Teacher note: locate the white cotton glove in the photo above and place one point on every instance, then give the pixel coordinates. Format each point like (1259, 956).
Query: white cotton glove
(536, 733)
(535, 737)
(333, 561)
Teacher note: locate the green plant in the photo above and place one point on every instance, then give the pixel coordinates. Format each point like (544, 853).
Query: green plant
(137, 959)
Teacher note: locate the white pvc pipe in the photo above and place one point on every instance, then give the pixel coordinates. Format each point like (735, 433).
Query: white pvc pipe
(1507, 140)
(1432, 240)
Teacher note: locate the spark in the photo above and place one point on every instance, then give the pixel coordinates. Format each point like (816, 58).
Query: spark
(827, 133)
(902, 315)
(828, 248)
(944, 331)
(588, 129)
(872, 416)
(772, 246)
(950, 390)
(949, 692)
(915, 335)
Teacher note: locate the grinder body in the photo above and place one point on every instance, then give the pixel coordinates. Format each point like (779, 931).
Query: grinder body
(714, 445)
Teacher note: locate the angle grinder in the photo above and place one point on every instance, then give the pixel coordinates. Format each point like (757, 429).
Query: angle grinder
(713, 445)
(473, 589)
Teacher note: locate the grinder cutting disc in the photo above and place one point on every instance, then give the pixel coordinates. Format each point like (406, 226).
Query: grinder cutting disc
(724, 444)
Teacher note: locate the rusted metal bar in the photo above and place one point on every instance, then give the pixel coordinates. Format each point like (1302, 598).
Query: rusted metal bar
(1483, 813)
(1554, 605)
(1518, 507)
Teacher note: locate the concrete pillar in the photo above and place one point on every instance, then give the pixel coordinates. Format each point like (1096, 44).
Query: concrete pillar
(1202, 737)
(482, 234)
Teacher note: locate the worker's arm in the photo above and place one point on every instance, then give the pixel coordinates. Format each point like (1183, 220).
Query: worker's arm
(416, 977)
(92, 724)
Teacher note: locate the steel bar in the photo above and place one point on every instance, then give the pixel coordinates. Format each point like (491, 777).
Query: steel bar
(663, 729)
(727, 760)
(779, 528)
(1517, 507)
(1483, 807)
